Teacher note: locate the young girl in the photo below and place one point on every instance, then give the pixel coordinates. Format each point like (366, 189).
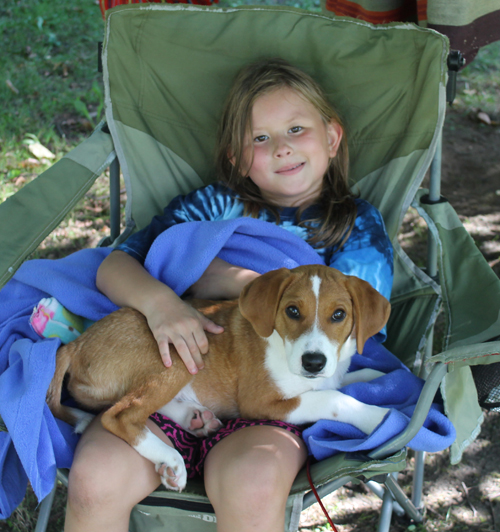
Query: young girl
(282, 157)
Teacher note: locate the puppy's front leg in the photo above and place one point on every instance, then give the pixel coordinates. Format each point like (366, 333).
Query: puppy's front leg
(361, 375)
(336, 406)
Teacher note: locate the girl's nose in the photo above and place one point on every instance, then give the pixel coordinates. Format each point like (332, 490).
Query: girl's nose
(282, 148)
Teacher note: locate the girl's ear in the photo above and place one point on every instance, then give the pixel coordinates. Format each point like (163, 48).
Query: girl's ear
(334, 132)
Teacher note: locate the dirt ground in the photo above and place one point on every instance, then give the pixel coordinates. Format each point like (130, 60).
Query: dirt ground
(467, 496)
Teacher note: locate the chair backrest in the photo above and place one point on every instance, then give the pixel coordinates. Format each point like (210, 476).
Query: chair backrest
(168, 68)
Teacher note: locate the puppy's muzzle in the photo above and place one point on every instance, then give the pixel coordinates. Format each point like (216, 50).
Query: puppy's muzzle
(313, 363)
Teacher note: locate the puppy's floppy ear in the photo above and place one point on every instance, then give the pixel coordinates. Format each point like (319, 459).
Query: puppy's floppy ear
(259, 300)
(371, 310)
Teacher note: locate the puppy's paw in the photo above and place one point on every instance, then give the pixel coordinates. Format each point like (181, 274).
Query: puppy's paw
(173, 472)
(204, 423)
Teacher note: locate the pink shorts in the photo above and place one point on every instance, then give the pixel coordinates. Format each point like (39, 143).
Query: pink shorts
(194, 450)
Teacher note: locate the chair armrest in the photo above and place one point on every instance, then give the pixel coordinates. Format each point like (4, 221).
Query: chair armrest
(470, 288)
(440, 365)
(467, 355)
(422, 408)
(28, 216)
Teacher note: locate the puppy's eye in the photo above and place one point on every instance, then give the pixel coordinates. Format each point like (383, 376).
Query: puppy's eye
(292, 312)
(338, 315)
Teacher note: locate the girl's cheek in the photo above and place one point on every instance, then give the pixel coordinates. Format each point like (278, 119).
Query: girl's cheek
(259, 154)
(246, 159)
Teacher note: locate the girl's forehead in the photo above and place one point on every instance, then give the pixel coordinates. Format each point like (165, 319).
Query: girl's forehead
(285, 95)
(282, 102)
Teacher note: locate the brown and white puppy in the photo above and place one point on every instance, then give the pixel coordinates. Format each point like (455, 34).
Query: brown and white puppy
(286, 348)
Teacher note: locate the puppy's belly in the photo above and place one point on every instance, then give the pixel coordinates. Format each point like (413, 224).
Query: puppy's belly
(223, 405)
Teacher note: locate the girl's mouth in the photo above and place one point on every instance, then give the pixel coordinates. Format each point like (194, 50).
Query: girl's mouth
(291, 169)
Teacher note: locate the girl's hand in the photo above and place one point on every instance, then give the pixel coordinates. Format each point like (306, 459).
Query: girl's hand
(175, 322)
(172, 321)
(221, 280)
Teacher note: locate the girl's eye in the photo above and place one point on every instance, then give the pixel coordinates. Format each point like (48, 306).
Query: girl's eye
(260, 138)
(296, 129)
(292, 312)
(338, 315)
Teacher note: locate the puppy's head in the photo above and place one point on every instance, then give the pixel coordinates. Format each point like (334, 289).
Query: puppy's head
(321, 315)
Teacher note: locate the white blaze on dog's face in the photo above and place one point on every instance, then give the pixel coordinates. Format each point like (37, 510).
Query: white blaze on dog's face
(315, 322)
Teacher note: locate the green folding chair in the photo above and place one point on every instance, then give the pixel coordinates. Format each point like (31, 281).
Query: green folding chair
(167, 70)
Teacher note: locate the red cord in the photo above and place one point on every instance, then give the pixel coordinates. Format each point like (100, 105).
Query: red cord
(318, 498)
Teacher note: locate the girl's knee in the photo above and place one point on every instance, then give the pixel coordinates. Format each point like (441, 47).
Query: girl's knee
(113, 476)
(256, 479)
(92, 486)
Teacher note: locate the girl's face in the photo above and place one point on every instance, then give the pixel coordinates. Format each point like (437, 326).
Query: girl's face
(291, 147)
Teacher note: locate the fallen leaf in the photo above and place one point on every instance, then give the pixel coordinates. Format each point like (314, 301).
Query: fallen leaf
(20, 181)
(11, 86)
(29, 163)
(40, 152)
(484, 118)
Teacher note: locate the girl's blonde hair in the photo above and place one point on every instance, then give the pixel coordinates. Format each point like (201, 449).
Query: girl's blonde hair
(336, 202)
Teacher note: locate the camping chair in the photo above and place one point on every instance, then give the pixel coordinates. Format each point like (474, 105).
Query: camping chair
(167, 70)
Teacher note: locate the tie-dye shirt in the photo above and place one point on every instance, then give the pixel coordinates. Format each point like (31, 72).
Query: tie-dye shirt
(367, 254)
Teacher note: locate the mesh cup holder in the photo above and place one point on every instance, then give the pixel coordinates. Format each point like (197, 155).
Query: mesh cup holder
(487, 380)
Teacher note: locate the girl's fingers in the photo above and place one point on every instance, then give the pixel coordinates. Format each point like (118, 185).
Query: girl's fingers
(195, 353)
(211, 327)
(165, 353)
(189, 352)
(189, 339)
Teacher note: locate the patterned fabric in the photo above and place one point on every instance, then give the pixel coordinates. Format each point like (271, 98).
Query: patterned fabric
(367, 254)
(468, 25)
(195, 450)
(379, 11)
(51, 320)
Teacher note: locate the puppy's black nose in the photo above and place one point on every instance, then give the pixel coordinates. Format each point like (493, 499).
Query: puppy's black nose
(313, 362)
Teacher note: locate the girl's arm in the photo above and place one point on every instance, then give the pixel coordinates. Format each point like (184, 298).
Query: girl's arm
(221, 280)
(125, 281)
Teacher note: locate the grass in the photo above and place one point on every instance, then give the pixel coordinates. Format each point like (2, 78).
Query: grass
(50, 86)
(49, 62)
(477, 86)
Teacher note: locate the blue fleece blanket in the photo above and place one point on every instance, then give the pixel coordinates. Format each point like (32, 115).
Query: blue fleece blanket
(398, 390)
(37, 444)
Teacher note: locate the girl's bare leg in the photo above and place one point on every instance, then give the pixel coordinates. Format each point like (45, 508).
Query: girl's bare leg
(248, 476)
(107, 479)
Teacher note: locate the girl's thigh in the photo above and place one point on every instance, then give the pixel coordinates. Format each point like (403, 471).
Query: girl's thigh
(263, 457)
(102, 459)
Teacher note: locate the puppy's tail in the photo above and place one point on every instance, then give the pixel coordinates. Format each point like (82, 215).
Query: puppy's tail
(63, 361)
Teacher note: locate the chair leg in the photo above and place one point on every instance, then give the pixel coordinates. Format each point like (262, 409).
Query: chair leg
(386, 512)
(45, 509)
(413, 513)
(379, 491)
(418, 479)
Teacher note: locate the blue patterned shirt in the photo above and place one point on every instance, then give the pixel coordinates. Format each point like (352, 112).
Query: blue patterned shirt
(367, 254)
